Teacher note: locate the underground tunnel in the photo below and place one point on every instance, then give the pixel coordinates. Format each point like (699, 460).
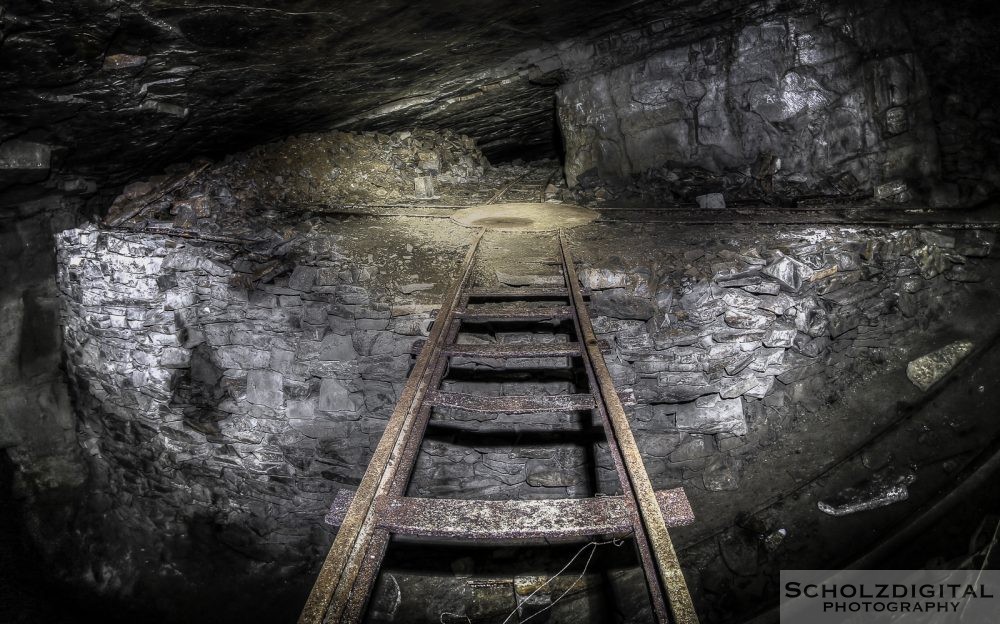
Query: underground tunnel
(480, 312)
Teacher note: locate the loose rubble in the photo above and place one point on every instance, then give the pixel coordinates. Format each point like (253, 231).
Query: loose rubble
(928, 369)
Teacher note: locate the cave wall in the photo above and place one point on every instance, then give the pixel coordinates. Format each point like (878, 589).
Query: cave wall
(37, 421)
(833, 102)
(205, 402)
(725, 342)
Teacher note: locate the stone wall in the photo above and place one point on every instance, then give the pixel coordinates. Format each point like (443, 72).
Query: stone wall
(725, 343)
(226, 413)
(202, 401)
(808, 103)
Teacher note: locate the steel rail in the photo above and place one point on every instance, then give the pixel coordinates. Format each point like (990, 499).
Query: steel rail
(379, 508)
(650, 525)
(332, 591)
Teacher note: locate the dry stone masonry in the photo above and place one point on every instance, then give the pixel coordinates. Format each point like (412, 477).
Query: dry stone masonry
(724, 344)
(255, 406)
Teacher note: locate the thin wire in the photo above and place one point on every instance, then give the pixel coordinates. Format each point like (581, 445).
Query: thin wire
(593, 546)
(986, 559)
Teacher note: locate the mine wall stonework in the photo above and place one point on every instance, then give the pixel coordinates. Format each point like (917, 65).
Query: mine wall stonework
(749, 338)
(200, 400)
(810, 103)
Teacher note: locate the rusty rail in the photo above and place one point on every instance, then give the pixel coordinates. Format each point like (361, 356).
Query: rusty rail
(379, 508)
(651, 532)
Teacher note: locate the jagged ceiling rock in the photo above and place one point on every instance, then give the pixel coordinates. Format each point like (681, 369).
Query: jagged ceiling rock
(119, 88)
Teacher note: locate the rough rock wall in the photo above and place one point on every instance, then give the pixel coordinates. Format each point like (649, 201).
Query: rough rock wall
(301, 173)
(830, 102)
(725, 344)
(202, 402)
(37, 424)
(225, 416)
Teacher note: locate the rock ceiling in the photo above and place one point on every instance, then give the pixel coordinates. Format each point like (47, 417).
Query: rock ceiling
(121, 88)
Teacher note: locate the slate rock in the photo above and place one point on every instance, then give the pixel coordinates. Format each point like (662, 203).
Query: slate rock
(617, 303)
(302, 278)
(927, 370)
(692, 447)
(711, 201)
(265, 388)
(788, 272)
(746, 319)
(338, 347)
(780, 335)
(335, 397)
(737, 299)
(712, 414)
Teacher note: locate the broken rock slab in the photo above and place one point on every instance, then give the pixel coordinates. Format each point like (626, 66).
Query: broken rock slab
(928, 369)
(712, 414)
(711, 201)
(409, 289)
(423, 187)
(788, 272)
(864, 497)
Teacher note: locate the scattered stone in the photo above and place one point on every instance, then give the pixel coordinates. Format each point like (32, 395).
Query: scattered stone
(302, 278)
(788, 272)
(774, 539)
(733, 387)
(868, 496)
(601, 279)
(745, 319)
(409, 289)
(618, 303)
(423, 187)
(738, 299)
(893, 191)
(711, 201)
(975, 243)
(927, 370)
(123, 61)
(896, 121)
(781, 335)
(720, 477)
(964, 273)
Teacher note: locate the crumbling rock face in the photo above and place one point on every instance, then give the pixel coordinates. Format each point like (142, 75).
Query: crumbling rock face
(233, 376)
(307, 172)
(734, 340)
(200, 400)
(811, 103)
(117, 89)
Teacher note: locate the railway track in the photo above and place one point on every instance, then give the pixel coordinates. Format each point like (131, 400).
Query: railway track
(379, 508)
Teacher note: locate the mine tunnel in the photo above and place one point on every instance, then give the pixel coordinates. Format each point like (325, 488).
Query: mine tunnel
(479, 312)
